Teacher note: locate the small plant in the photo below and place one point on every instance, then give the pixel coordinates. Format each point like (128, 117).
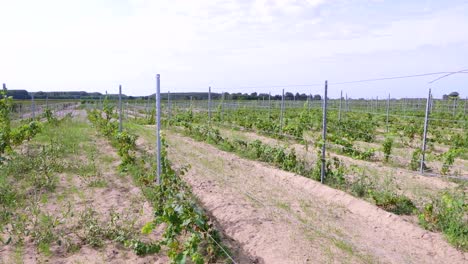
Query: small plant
(392, 202)
(415, 160)
(387, 148)
(448, 159)
(126, 146)
(361, 186)
(50, 117)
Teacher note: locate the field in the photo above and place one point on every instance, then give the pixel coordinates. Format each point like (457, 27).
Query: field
(240, 183)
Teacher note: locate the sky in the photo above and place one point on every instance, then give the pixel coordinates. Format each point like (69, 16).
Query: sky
(234, 45)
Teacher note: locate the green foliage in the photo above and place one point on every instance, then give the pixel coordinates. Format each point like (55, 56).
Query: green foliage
(415, 160)
(12, 137)
(5, 123)
(284, 159)
(108, 110)
(25, 132)
(48, 164)
(50, 117)
(126, 146)
(391, 202)
(362, 186)
(357, 127)
(334, 171)
(346, 147)
(387, 147)
(448, 159)
(186, 225)
(187, 228)
(124, 141)
(448, 214)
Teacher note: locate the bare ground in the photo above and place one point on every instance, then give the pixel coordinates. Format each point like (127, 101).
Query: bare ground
(279, 217)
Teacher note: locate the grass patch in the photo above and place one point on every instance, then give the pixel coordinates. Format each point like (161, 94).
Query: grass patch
(344, 246)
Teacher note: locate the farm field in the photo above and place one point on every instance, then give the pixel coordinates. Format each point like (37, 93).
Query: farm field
(239, 184)
(257, 204)
(234, 132)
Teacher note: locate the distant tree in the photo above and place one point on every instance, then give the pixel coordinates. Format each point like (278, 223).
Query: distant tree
(454, 95)
(18, 94)
(317, 97)
(288, 96)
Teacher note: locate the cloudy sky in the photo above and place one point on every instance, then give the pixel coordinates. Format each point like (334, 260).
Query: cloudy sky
(233, 45)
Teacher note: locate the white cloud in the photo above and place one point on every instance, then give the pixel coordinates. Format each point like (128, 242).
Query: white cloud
(74, 45)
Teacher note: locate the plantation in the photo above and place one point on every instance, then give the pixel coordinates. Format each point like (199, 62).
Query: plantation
(240, 183)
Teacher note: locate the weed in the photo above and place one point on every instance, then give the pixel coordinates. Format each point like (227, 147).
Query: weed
(391, 202)
(448, 214)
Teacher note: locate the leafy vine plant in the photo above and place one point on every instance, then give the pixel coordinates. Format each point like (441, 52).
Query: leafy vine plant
(10, 137)
(187, 228)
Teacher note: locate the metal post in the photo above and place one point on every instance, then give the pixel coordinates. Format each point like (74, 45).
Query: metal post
(426, 122)
(448, 104)
(269, 105)
(147, 105)
(347, 103)
(135, 109)
(432, 104)
(339, 113)
(377, 104)
(466, 99)
(282, 113)
(120, 108)
(126, 109)
(168, 105)
(158, 129)
(222, 106)
(209, 104)
(388, 109)
(454, 106)
(33, 106)
(403, 105)
(324, 133)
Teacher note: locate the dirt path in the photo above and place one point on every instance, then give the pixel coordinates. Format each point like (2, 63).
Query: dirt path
(279, 217)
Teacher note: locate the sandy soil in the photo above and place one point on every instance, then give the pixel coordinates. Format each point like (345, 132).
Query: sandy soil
(279, 217)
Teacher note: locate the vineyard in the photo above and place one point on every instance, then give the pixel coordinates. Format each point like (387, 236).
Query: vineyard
(235, 181)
